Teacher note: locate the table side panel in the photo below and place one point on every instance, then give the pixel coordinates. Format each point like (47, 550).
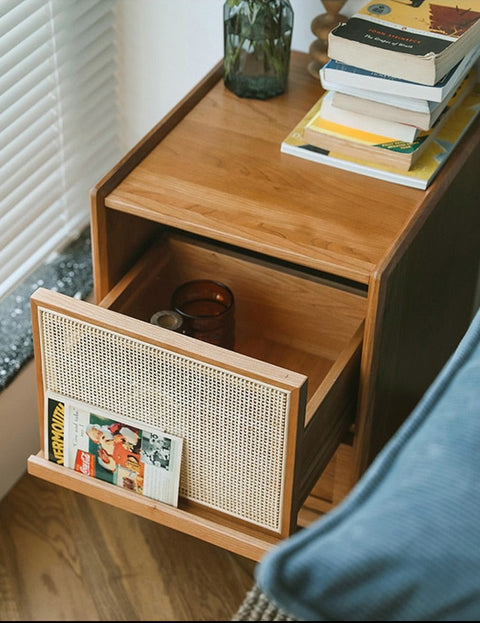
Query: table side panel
(420, 305)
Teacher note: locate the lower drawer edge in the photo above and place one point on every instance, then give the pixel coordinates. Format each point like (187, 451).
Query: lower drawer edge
(243, 540)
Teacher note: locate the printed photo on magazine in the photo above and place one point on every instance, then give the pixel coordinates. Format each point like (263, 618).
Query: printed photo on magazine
(113, 449)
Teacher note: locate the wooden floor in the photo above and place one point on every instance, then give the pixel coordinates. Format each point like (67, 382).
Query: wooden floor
(65, 557)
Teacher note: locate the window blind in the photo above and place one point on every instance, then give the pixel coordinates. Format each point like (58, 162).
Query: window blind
(58, 124)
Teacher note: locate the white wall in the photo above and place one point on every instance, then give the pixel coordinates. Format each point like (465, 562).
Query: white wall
(167, 46)
(18, 426)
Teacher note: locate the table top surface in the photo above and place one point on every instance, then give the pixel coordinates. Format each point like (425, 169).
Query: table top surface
(220, 173)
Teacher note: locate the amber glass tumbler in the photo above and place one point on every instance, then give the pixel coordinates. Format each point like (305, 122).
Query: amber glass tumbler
(207, 308)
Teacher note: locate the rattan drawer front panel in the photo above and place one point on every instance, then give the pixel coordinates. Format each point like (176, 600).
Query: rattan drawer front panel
(234, 427)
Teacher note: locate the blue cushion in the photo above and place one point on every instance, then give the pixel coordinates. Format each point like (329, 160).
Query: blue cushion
(405, 543)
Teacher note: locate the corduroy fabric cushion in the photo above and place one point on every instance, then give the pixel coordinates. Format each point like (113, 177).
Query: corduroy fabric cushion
(405, 544)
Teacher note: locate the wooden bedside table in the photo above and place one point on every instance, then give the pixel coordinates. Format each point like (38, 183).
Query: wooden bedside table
(351, 294)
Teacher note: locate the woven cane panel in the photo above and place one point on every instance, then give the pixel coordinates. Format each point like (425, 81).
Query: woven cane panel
(234, 428)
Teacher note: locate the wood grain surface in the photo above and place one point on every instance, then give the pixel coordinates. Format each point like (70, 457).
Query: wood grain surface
(66, 557)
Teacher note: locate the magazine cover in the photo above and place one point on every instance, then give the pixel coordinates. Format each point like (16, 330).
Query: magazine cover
(110, 448)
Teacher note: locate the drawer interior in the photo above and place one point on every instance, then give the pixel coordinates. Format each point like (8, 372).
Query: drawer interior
(294, 413)
(283, 315)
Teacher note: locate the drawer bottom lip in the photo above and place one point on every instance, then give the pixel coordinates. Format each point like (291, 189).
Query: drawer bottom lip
(248, 542)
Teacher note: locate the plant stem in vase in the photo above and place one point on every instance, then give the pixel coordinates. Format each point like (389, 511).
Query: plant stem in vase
(257, 41)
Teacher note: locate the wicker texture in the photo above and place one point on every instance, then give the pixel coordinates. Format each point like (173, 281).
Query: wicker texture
(257, 607)
(234, 428)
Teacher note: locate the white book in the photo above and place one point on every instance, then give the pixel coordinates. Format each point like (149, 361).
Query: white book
(367, 123)
(408, 103)
(392, 112)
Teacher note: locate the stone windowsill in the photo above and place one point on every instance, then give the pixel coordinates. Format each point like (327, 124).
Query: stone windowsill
(68, 272)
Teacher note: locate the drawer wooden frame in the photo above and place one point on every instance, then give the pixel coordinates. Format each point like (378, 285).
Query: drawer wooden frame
(318, 419)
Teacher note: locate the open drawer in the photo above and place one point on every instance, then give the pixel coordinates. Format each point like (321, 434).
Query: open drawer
(259, 423)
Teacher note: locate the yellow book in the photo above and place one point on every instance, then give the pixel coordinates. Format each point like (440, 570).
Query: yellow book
(419, 176)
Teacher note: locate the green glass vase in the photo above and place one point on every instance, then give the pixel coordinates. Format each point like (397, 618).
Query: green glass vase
(257, 41)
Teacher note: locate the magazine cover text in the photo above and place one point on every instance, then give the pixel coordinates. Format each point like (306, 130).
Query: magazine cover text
(105, 446)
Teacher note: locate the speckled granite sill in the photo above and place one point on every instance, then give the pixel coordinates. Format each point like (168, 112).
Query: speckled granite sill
(69, 272)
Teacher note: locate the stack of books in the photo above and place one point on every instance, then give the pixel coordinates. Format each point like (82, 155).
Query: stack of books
(386, 125)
